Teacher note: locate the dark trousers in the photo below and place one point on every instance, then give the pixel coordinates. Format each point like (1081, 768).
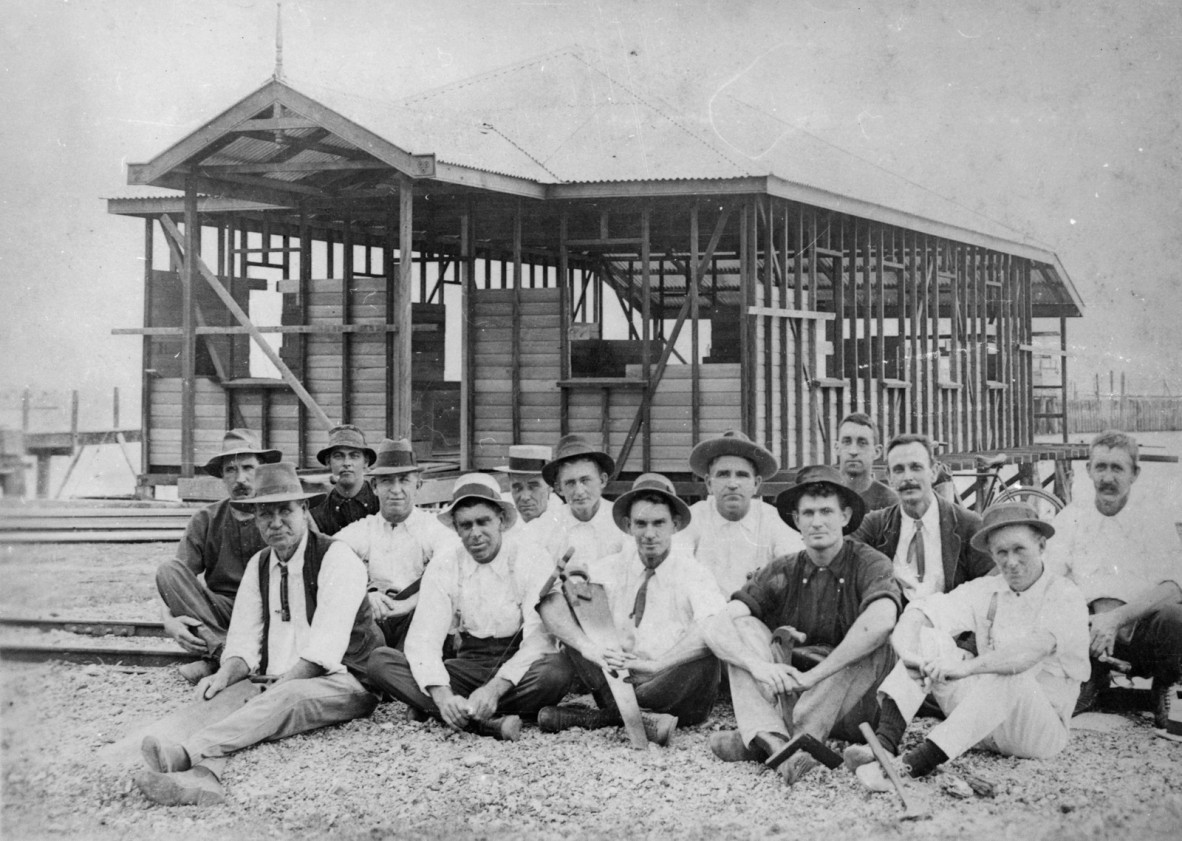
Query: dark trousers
(476, 664)
(1155, 649)
(687, 691)
(186, 596)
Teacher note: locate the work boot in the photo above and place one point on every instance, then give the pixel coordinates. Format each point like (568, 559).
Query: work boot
(659, 727)
(505, 728)
(195, 671)
(1163, 696)
(555, 719)
(873, 777)
(728, 746)
(856, 756)
(196, 787)
(1090, 689)
(164, 756)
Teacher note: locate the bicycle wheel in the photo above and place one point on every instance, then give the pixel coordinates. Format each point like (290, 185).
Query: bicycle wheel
(1044, 502)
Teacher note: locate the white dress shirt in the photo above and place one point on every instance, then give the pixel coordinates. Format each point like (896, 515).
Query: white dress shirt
(933, 557)
(340, 589)
(1119, 557)
(735, 550)
(596, 538)
(492, 600)
(396, 555)
(681, 592)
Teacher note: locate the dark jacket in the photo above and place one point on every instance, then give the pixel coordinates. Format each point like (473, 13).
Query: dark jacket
(880, 530)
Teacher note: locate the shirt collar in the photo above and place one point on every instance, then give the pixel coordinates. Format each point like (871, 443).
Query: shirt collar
(296, 560)
(930, 518)
(749, 522)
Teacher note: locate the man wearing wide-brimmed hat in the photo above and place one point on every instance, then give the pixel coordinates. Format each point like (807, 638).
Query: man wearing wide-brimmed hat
(579, 473)
(530, 492)
(301, 617)
(399, 541)
(486, 590)
(734, 532)
(838, 592)
(351, 497)
(1016, 696)
(199, 584)
(658, 594)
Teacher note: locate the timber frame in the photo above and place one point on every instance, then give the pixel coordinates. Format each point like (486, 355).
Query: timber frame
(749, 302)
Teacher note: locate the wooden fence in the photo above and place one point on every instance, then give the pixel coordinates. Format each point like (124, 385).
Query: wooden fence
(1095, 414)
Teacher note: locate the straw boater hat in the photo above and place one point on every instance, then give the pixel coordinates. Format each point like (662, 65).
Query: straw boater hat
(346, 435)
(240, 442)
(732, 443)
(825, 475)
(277, 482)
(570, 448)
(1008, 514)
(394, 457)
(525, 458)
(650, 483)
(479, 486)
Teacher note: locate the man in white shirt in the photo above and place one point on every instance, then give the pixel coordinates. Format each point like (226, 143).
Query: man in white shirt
(1016, 695)
(658, 594)
(300, 620)
(486, 590)
(397, 543)
(579, 473)
(928, 538)
(733, 532)
(529, 490)
(1125, 557)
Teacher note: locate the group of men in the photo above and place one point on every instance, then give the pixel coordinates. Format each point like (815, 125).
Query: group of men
(845, 603)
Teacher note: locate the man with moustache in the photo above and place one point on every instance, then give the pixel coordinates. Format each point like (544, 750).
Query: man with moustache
(857, 450)
(486, 589)
(399, 541)
(929, 539)
(842, 595)
(658, 595)
(1016, 694)
(198, 586)
(579, 473)
(1124, 553)
(301, 623)
(351, 497)
(733, 533)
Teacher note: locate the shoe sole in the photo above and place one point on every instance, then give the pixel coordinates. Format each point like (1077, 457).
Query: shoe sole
(166, 790)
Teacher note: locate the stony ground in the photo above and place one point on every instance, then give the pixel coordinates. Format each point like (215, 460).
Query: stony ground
(386, 778)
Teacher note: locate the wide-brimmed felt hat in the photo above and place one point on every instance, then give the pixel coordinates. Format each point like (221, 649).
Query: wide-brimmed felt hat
(277, 482)
(570, 448)
(733, 443)
(346, 435)
(820, 474)
(1008, 514)
(241, 442)
(394, 457)
(647, 483)
(482, 487)
(525, 458)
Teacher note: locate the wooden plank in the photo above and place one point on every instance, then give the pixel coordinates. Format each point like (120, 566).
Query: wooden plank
(153, 535)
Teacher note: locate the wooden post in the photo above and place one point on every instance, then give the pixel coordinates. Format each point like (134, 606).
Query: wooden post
(393, 276)
(346, 339)
(692, 281)
(515, 372)
(467, 268)
(646, 353)
(305, 290)
(188, 324)
(115, 408)
(1063, 373)
(26, 404)
(146, 358)
(564, 305)
(402, 310)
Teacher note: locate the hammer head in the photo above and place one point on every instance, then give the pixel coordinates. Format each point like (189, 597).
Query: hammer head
(811, 745)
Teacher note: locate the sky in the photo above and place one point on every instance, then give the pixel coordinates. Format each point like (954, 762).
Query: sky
(1058, 119)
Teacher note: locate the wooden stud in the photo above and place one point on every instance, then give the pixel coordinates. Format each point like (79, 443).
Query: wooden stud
(516, 331)
(348, 247)
(692, 280)
(146, 363)
(305, 288)
(403, 382)
(188, 322)
(564, 284)
(646, 316)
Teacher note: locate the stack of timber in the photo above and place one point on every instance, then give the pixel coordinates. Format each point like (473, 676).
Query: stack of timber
(93, 524)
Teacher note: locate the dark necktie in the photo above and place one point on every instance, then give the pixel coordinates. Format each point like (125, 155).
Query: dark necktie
(284, 605)
(642, 595)
(915, 550)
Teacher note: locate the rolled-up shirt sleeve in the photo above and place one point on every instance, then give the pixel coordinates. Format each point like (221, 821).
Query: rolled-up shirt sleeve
(340, 589)
(431, 622)
(244, 639)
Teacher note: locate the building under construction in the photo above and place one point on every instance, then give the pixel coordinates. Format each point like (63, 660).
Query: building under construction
(544, 249)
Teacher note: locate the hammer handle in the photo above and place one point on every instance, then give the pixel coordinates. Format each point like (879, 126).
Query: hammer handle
(884, 759)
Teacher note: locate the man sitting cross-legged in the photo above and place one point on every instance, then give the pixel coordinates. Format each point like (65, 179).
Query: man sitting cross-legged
(301, 618)
(506, 664)
(1016, 695)
(658, 593)
(842, 595)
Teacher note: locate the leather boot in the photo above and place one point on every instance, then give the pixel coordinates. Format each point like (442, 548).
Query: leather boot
(505, 728)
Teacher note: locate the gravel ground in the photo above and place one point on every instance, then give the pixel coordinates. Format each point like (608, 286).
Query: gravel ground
(383, 777)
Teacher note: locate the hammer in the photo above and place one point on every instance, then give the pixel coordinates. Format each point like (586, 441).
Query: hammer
(784, 639)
